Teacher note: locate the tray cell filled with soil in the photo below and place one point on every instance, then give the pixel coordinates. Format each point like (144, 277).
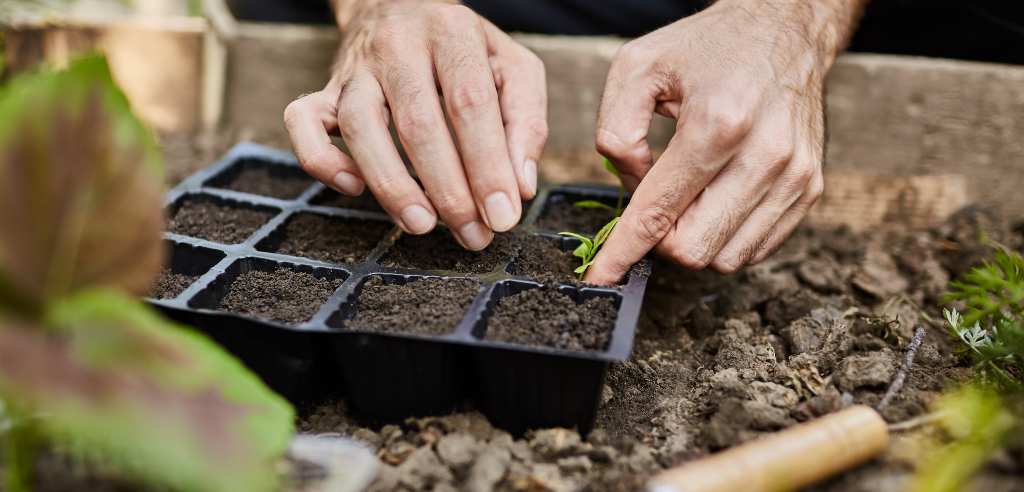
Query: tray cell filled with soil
(217, 219)
(326, 238)
(548, 260)
(265, 178)
(185, 264)
(406, 304)
(559, 212)
(563, 317)
(330, 198)
(268, 290)
(438, 251)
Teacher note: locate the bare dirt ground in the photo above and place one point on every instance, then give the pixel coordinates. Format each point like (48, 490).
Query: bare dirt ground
(720, 360)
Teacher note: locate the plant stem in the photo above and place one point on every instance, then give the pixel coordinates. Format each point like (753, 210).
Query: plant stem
(22, 443)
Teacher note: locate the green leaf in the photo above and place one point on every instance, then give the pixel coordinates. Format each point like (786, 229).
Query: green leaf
(980, 423)
(593, 204)
(114, 382)
(583, 239)
(611, 167)
(602, 235)
(581, 251)
(80, 187)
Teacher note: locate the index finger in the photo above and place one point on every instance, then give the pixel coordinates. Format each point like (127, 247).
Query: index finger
(694, 156)
(308, 120)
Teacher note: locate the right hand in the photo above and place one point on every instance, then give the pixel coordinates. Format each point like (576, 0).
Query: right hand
(392, 61)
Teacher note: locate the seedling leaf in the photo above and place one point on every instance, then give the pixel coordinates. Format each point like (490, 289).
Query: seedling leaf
(117, 383)
(593, 204)
(80, 187)
(602, 235)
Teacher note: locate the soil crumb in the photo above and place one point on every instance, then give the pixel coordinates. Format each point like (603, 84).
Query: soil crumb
(438, 250)
(331, 198)
(283, 295)
(331, 239)
(545, 317)
(169, 284)
(429, 306)
(278, 182)
(559, 214)
(213, 221)
(542, 259)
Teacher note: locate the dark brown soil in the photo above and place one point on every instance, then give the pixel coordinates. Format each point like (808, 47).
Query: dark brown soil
(541, 259)
(286, 183)
(719, 360)
(213, 221)
(439, 251)
(560, 215)
(284, 295)
(331, 239)
(170, 284)
(331, 198)
(545, 317)
(429, 306)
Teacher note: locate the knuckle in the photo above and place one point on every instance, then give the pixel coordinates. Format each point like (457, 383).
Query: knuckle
(727, 264)
(454, 17)
(815, 188)
(538, 129)
(653, 224)
(776, 159)
(691, 254)
(634, 53)
(609, 144)
(468, 100)
(726, 122)
(387, 40)
(414, 124)
(454, 205)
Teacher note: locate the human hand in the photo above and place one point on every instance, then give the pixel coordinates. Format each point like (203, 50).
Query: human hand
(395, 57)
(744, 80)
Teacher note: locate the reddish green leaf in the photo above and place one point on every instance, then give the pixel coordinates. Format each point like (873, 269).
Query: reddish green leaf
(111, 380)
(80, 188)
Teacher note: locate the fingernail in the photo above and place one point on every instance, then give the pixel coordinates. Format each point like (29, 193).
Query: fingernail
(417, 219)
(530, 175)
(475, 236)
(348, 183)
(500, 213)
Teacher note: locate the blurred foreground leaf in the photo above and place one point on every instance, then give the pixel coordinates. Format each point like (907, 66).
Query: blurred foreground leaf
(80, 188)
(112, 381)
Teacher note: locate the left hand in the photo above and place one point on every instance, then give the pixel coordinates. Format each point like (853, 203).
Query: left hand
(744, 80)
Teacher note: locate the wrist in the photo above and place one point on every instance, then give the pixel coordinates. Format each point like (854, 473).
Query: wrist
(824, 27)
(348, 12)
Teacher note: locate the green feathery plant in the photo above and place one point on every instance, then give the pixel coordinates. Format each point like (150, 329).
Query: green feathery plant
(589, 246)
(987, 413)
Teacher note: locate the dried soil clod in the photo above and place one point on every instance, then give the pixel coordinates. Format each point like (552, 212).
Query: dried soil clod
(546, 317)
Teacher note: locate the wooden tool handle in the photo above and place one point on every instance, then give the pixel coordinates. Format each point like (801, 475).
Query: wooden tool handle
(786, 460)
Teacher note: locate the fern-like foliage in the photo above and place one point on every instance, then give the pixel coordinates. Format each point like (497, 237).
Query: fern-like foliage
(991, 325)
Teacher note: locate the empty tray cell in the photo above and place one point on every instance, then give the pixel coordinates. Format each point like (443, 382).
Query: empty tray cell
(438, 250)
(216, 219)
(330, 198)
(388, 303)
(263, 178)
(548, 260)
(561, 214)
(562, 318)
(185, 264)
(260, 288)
(326, 238)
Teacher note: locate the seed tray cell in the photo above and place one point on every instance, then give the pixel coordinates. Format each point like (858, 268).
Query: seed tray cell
(393, 372)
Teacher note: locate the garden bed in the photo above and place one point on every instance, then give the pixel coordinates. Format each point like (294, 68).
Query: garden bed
(720, 360)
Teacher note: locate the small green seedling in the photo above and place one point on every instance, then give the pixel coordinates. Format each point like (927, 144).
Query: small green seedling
(588, 248)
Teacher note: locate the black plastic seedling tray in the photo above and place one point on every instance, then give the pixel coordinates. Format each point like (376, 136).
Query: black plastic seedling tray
(387, 377)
